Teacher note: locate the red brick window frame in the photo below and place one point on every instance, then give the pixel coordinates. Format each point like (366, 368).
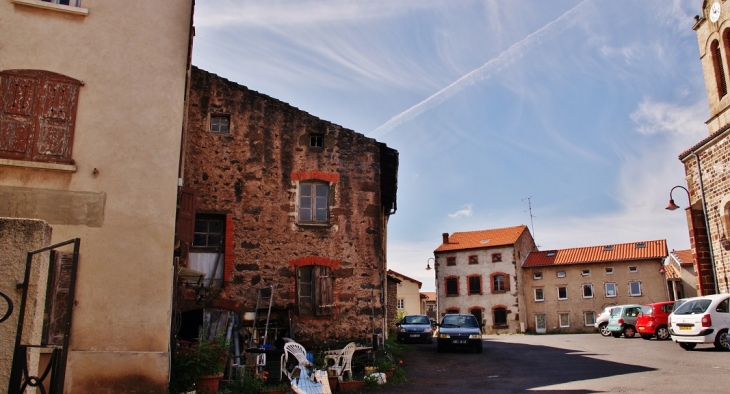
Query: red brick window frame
(474, 284)
(314, 286)
(37, 115)
(499, 316)
(451, 286)
(451, 261)
(473, 259)
(499, 282)
(452, 311)
(496, 257)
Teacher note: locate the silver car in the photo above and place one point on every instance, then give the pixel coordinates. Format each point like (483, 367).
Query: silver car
(602, 321)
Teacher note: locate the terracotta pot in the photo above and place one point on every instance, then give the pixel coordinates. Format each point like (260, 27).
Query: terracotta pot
(209, 383)
(333, 382)
(389, 373)
(349, 385)
(278, 391)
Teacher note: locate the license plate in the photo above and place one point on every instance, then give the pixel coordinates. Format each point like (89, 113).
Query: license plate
(685, 328)
(457, 341)
(415, 335)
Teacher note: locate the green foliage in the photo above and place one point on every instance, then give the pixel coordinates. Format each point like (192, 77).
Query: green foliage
(247, 384)
(385, 364)
(401, 313)
(399, 376)
(195, 359)
(371, 382)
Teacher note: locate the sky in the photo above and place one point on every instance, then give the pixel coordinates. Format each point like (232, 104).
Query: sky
(566, 116)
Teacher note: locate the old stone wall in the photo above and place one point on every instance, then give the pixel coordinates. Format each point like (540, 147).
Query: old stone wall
(250, 174)
(392, 303)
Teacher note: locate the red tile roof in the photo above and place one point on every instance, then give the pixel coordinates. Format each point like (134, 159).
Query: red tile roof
(430, 295)
(482, 239)
(683, 256)
(670, 272)
(393, 273)
(596, 254)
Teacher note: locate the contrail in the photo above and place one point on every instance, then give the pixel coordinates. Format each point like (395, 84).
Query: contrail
(504, 59)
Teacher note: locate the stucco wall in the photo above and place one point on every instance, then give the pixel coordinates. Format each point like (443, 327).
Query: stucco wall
(410, 293)
(132, 58)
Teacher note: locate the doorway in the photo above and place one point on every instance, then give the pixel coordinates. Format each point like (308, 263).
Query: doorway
(540, 324)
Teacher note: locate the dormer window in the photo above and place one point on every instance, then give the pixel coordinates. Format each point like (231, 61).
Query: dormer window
(608, 248)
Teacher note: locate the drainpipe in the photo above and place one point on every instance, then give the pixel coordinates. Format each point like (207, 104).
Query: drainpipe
(707, 224)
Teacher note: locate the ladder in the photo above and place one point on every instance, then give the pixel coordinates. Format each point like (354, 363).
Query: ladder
(264, 295)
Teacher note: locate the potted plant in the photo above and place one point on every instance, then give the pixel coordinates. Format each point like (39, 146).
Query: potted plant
(386, 366)
(199, 365)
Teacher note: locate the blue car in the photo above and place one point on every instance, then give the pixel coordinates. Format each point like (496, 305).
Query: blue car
(459, 332)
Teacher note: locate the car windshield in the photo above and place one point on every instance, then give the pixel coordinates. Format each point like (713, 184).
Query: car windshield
(647, 310)
(416, 320)
(459, 321)
(692, 307)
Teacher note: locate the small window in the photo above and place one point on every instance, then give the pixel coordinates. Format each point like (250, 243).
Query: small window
(537, 275)
(313, 202)
(587, 290)
(499, 283)
(539, 295)
(589, 318)
(316, 140)
(500, 316)
(401, 303)
(609, 270)
(475, 284)
(564, 318)
(473, 259)
(633, 270)
(219, 123)
(550, 254)
(608, 248)
(72, 3)
(451, 261)
(209, 231)
(452, 286)
(563, 292)
(585, 273)
(634, 289)
(610, 290)
(561, 274)
(497, 257)
(640, 245)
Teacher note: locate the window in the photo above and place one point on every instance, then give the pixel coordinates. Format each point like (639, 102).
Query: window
(500, 283)
(37, 115)
(723, 306)
(73, 3)
(609, 270)
(316, 140)
(589, 318)
(401, 303)
(563, 292)
(473, 259)
(474, 284)
(500, 316)
(452, 286)
(608, 248)
(537, 275)
(539, 295)
(314, 290)
(451, 261)
(219, 123)
(610, 290)
(719, 71)
(209, 231)
(633, 270)
(588, 290)
(564, 318)
(634, 289)
(496, 257)
(561, 274)
(585, 273)
(313, 202)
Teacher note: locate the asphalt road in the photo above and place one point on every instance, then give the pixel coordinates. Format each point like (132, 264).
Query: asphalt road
(575, 363)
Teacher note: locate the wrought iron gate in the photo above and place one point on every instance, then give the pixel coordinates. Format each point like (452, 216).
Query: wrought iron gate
(20, 378)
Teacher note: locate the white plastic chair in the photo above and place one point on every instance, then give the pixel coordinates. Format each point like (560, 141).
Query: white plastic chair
(300, 354)
(342, 361)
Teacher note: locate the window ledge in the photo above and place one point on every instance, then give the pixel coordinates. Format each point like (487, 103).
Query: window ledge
(54, 7)
(37, 164)
(312, 224)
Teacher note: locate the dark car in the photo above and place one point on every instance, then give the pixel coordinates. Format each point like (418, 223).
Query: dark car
(652, 321)
(415, 328)
(459, 332)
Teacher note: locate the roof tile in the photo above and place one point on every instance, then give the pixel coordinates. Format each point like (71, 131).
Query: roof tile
(597, 254)
(482, 239)
(683, 256)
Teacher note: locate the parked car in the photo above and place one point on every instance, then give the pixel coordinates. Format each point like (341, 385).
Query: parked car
(622, 320)
(459, 331)
(414, 328)
(704, 319)
(602, 321)
(652, 321)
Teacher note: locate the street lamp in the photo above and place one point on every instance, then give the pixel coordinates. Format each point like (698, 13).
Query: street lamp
(428, 266)
(672, 206)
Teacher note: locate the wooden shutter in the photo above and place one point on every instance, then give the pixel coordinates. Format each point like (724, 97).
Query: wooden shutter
(17, 118)
(186, 205)
(56, 119)
(323, 290)
(57, 302)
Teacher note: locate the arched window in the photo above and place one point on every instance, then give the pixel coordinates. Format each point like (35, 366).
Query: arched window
(719, 70)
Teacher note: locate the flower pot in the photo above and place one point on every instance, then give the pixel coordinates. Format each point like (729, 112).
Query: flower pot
(277, 391)
(389, 373)
(208, 384)
(349, 385)
(333, 382)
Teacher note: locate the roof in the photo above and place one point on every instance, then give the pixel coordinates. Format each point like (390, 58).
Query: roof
(482, 239)
(393, 273)
(704, 142)
(683, 256)
(430, 295)
(671, 272)
(596, 254)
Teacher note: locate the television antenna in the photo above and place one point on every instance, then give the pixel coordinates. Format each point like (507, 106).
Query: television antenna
(532, 224)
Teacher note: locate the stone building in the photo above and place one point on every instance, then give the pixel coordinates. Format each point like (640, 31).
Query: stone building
(477, 272)
(566, 289)
(288, 200)
(91, 115)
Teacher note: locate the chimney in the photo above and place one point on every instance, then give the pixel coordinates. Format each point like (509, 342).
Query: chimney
(446, 237)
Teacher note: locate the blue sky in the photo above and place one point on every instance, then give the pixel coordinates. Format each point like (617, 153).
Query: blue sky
(582, 106)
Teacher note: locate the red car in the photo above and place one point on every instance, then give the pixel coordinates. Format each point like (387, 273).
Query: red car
(652, 321)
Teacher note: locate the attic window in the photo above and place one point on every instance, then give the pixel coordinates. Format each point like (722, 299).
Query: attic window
(550, 254)
(316, 140)
(608, 248)
(219, 123)
(484, 241)
(640, 245)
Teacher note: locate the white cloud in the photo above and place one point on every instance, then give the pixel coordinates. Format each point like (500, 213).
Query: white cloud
(656, 118)
(464, 212)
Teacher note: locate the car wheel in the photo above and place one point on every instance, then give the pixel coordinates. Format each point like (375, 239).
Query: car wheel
(603, 329)
(721, 340)
(616, 334)
(646, 336)
(687, 346)
(662, 333)
(629, 332)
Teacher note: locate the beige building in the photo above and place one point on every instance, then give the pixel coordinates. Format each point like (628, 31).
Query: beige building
(680, 274)
(566, 289)
(477, 272)
(408, 297)
(92, 100)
